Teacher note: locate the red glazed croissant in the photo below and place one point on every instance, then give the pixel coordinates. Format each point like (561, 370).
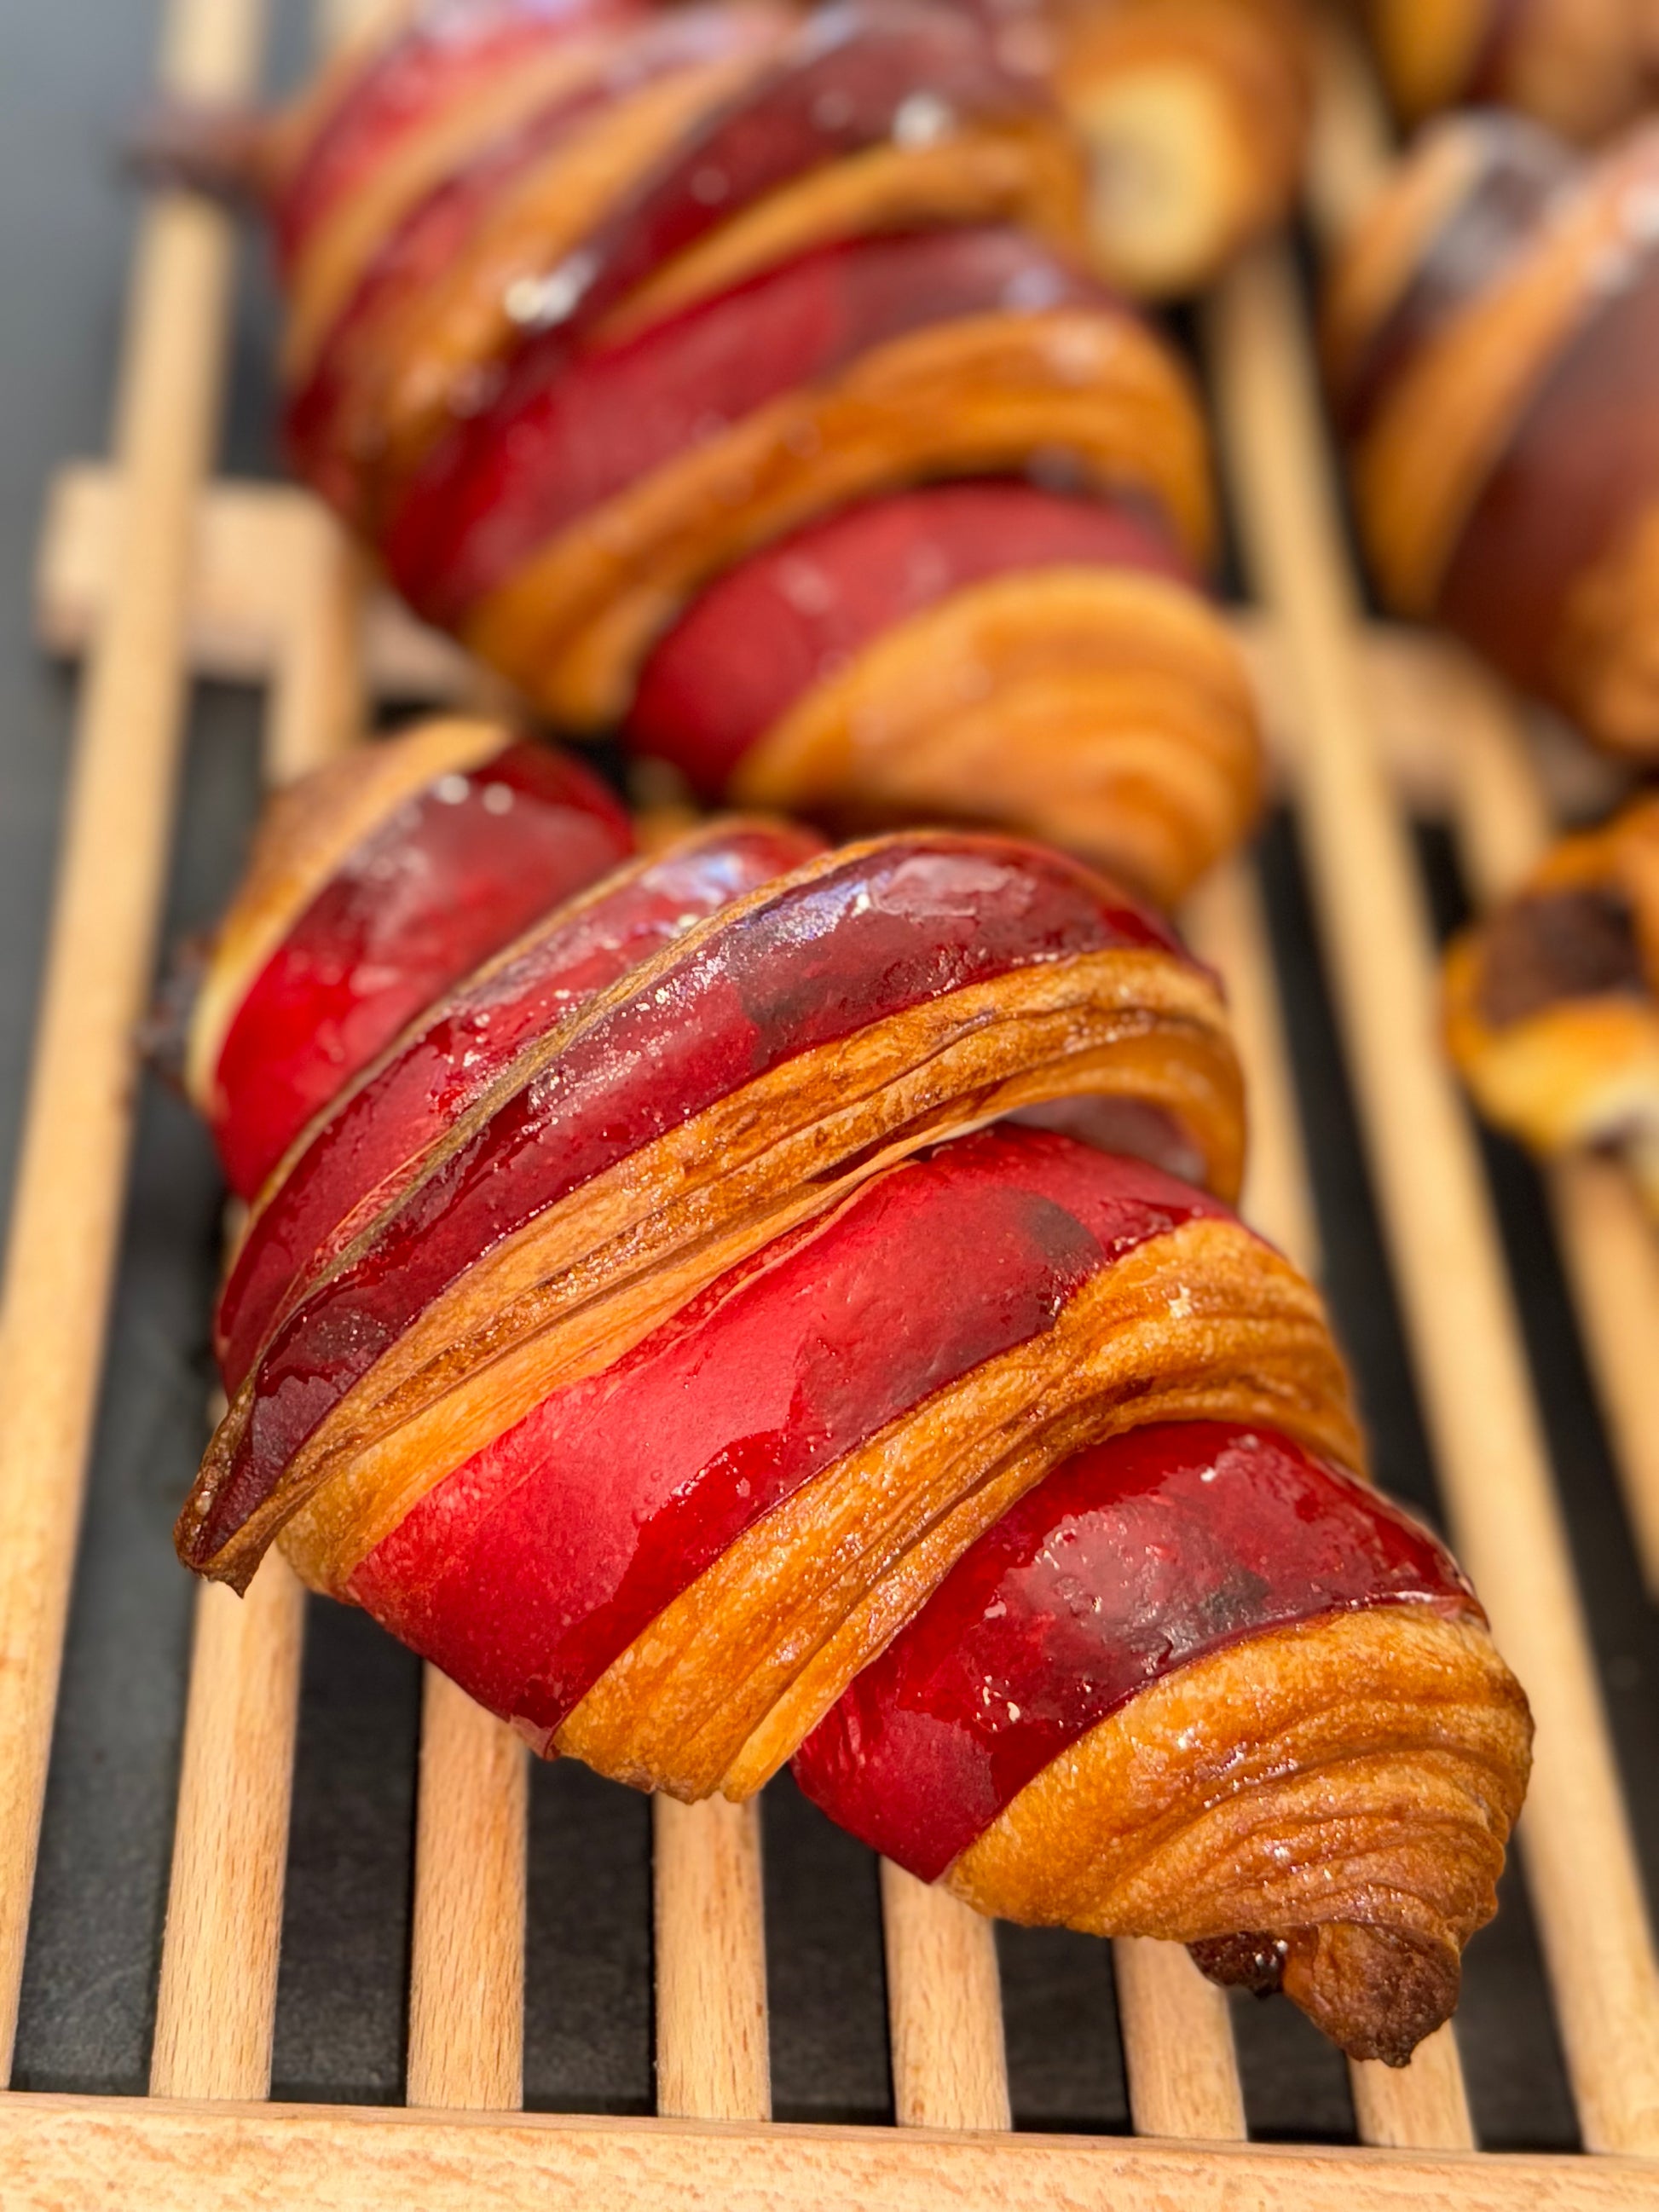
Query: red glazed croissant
(736, 1317)
(1583, 67)
(1553, 1001)
(735, 376)
(1494, 349)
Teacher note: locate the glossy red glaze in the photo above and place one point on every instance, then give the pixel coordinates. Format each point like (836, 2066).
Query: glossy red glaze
(448, 878)
(371, 1146)
(447, 56)
(791, 616)
(526, 1572)
(571, 430)
(1131, 1559)
(907, 922)
(440, 226)
(850, 78)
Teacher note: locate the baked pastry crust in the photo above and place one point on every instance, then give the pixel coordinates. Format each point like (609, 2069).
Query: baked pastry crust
(1553, 1001)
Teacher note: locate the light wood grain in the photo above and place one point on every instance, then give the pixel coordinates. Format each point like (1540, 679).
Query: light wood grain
(1441, 1237)
(1225, 923)
(253, 545)
(944, 2008)
(220, 1950)
(217, 2002)
(1177, 2044)
(220, 1955)
(72, 1168)
(92, 2154)
(316, 705)
(467, 1986)
(1422, 2107)
(713, 2060)
(1612, 1260)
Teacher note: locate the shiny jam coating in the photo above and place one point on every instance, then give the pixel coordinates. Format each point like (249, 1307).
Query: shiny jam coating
(855, 74)
(529, 1570)
(837, 947)
(454, 48)
(571, 430)
(372, 1143)
(1128, 1561)
(795, 614)
(388, 306)
(451, 875)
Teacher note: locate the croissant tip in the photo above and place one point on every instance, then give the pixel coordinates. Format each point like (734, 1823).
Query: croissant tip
(220, 151)
(1376, 1992)
(230, 1563)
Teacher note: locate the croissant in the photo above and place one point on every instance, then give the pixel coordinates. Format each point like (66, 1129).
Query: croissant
(1194, 114)
(1584, 68)
(786, 1304)
(735, 377)
(1493, 340)
(1552, 1001)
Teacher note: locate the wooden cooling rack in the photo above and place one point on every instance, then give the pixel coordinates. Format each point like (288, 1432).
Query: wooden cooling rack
(159, 574)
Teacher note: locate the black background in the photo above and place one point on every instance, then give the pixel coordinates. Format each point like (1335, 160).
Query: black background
(74, 72)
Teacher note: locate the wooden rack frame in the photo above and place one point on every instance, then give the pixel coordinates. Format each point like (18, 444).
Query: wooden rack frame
(255, 583)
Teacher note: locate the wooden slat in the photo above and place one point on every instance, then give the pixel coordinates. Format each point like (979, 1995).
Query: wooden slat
(1225, 923)
(72, 2153)
(316, 706)
(221, 1953)
(1422, 2107)
(466, 1988)
(713, 2060)
(944, 2008)
(1611, 1257)
(1441, 1237)
(215, 2006)
(255, 546)
(72, 1170)
(1177, 2044)
(1502, 818)
(216, 2003)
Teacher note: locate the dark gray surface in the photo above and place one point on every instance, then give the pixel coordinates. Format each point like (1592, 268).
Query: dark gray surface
(72, 72)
